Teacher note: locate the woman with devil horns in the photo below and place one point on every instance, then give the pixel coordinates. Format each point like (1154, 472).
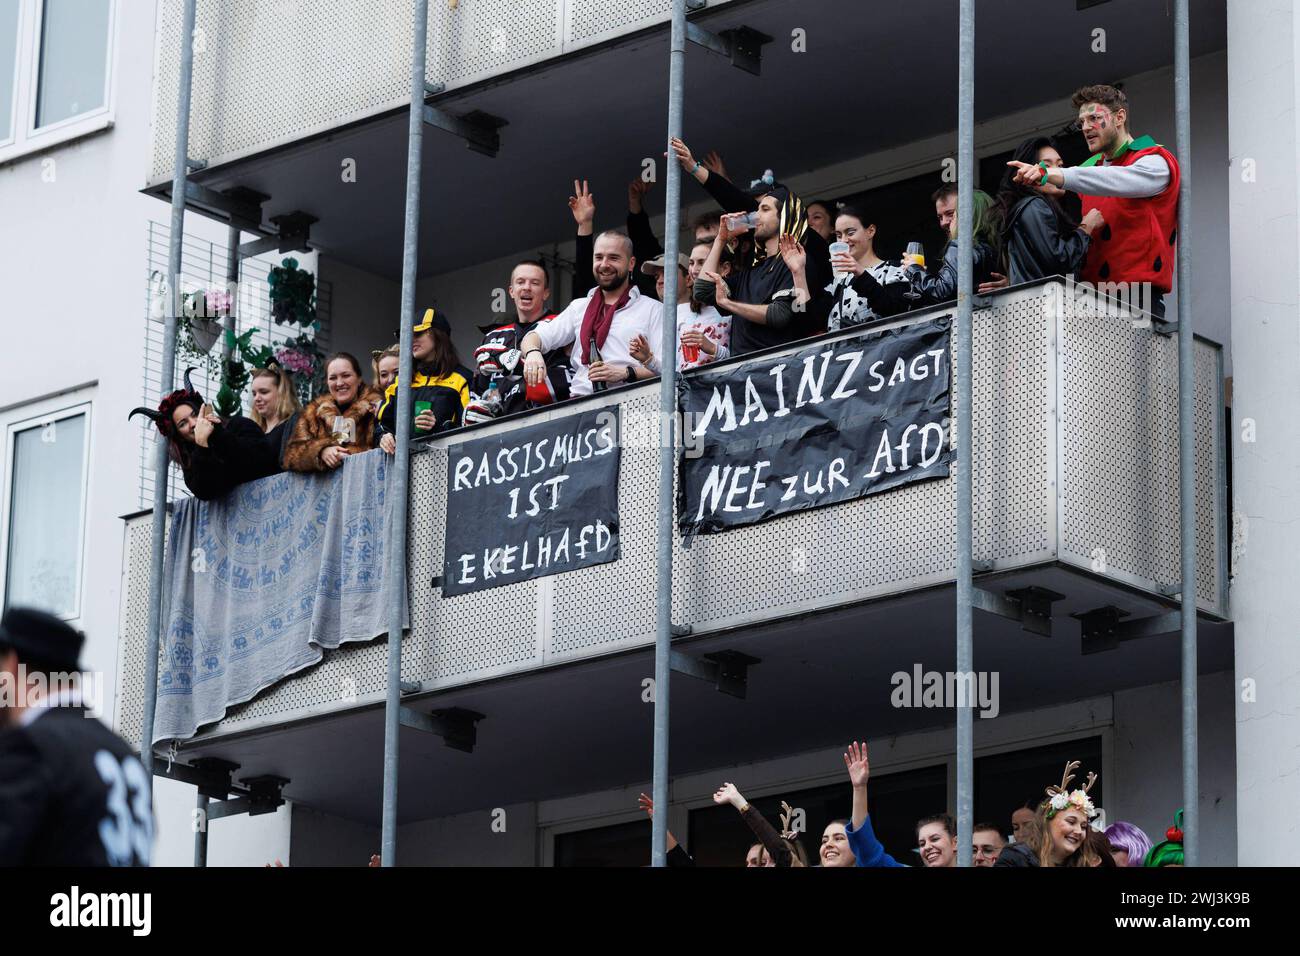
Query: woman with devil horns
(215, 454)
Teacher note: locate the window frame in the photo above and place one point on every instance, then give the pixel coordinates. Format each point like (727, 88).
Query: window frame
(22, 421)
(25, 138)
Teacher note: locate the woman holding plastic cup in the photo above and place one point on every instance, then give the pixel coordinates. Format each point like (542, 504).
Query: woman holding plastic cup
(439, 387)
(865, 288)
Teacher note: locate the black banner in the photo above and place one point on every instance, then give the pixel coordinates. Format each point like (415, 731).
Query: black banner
(532, 502)
(830, 423)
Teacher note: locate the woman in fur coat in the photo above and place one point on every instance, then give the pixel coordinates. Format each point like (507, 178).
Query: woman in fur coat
(337, 424)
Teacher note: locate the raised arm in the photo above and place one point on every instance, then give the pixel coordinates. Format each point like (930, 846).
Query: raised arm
(583, 206)
(763, 830)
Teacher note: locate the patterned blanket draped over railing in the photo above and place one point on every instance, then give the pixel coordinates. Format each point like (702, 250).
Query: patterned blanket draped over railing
(258, 585)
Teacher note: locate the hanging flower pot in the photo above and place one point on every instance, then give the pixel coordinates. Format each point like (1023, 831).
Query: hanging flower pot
(205, 333)
(292, 293)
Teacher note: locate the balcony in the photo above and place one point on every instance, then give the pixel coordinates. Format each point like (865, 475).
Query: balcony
(1076, 492)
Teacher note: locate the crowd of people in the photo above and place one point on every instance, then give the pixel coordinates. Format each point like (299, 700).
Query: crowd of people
(1055, 830)
(770, 270)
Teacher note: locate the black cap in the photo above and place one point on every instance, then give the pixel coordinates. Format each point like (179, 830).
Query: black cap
(41, 637)
(432, 319)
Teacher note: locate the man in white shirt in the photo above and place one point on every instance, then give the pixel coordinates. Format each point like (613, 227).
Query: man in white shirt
(608, 318)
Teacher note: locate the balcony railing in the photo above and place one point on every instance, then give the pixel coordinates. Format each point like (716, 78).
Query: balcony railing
(1075, 466)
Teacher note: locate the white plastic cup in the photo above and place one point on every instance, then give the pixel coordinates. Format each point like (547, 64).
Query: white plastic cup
(839, 248)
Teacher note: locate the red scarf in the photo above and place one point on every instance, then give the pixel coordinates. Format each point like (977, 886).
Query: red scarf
(598, 318)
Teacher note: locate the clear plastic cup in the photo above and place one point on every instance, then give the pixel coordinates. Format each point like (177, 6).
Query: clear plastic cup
(839, 249)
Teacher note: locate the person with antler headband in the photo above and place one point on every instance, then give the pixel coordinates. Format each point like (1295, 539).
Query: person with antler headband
(782, 849)
(215, 455)
(1062, 824)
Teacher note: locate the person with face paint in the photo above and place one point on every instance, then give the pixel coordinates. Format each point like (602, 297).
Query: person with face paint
(215, 455)
(601, 324)
(1132, 183)
(1037, 236)
(342, 422)
(1059, 833)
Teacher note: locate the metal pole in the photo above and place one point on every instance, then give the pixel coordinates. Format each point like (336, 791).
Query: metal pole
(231, 322)
(965, 451)
(166, 377)
(399, 488)
(667, 443)
(201, 833)
(1186, 469)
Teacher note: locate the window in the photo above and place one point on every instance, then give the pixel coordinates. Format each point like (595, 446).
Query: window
(56, 69)
(44, 510)
(8, 66)
(73, 60)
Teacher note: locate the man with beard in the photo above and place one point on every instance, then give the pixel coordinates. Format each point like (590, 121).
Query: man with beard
(768, 301)
(498, 387)
(1133, 183)
(599, 327)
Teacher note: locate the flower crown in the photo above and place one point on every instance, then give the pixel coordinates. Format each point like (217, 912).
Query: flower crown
(1060, 797)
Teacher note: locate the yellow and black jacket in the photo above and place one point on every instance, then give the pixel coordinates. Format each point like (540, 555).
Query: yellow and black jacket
(448, 395)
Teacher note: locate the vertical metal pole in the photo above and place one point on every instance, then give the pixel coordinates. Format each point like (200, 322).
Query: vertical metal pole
(667, 442)
(166, 377)
(399, 485)
(1186, 469)
(201, 833)
(965, 449)
(231, 322)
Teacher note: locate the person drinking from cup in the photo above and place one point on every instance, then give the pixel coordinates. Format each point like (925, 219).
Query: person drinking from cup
(342, 422)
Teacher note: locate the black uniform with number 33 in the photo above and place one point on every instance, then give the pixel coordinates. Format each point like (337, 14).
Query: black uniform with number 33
(72, 793)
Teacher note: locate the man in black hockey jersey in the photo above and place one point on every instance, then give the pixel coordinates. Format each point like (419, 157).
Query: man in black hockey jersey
(72, 793)
(498, 387)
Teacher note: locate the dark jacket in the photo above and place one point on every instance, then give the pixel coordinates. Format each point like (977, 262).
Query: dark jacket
(447, 396)
(237, 452)
(505, 341)
(72, 793)
(1016, 854)
(942, 286)
(314, 430)
(1038, 243)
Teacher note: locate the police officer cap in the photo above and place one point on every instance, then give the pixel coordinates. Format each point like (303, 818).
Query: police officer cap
(40, 636)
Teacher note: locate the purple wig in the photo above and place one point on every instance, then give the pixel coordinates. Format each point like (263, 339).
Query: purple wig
(1125, 836)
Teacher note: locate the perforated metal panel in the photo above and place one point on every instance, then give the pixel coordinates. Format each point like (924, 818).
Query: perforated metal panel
(129, 717)
(592, 20)
(1119, 453)
(469, 636)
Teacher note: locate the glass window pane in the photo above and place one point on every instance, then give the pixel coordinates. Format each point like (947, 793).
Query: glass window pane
(74, 51)
(8, 63)
(45, 495)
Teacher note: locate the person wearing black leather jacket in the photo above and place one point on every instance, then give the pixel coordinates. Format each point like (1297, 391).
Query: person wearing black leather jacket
(1038, 237)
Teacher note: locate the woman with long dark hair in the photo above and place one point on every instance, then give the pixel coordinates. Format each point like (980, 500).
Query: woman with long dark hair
(1037, 236)
(440, 385)
(215, 454)
(866, 288)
